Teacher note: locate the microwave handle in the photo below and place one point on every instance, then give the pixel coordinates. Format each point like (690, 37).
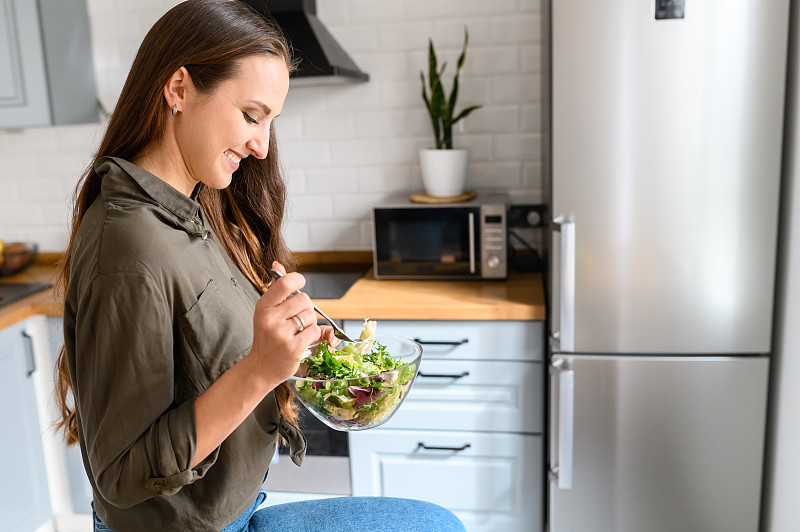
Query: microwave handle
(471, 223)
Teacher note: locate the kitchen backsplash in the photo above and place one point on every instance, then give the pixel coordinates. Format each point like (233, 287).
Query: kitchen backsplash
(343, 147)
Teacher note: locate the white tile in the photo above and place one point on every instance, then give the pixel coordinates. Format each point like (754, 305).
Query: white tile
(532, 119)
(110, 27)
(400, 94)
(354, 207)
(355, 39)
(518, 147)
(35, 139)
(493, 119)
(296, 236)
(404, 151)
(428, 9)
(334, 236)
(385, 179)
(295, 179)
(479, 146)
(22, 215)
(14, 167)
(532, 6)
(288, 127)
(356, 152)
(9, 193)
(50, 239)
(516, 89)
(383, 66)
(62, 163)
(517, 29)
(472, 91)
(123, 6)
(533, 58)
(494, 175)
(57, 214)
(306, 207)
(333, 12)
(302, 100)
(365, 228)
(83, 138)
(328, 126)
(404, 36)
(299, 154)
(495, 60)
(332, 180)
(380, 124)
(450, 34)
(376, 10)
(36, 189)
(532, 177)
(359, 96)
(482, 7)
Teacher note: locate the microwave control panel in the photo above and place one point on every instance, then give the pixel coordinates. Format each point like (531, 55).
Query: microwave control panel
(494, 257)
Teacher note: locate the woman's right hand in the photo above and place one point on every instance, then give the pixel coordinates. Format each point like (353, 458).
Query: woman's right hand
(278, 340)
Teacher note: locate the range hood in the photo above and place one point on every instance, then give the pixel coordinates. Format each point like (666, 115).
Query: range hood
(321, 60)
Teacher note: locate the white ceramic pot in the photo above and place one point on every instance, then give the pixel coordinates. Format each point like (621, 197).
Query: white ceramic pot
(444, 172)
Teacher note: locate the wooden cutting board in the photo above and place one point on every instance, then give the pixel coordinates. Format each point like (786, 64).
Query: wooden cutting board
(421, 197)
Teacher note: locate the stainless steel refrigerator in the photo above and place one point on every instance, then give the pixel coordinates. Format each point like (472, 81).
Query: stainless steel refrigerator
(667, 120)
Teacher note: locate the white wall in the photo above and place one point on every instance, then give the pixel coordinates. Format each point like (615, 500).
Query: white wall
(343, 147)
(781, 511)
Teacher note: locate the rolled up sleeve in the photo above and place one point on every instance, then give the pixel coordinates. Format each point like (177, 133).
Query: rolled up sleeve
(139, 443)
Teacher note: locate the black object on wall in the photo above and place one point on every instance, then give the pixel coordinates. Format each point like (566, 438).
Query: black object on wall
(322, 60)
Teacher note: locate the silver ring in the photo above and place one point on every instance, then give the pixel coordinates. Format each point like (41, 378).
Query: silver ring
(300, 323)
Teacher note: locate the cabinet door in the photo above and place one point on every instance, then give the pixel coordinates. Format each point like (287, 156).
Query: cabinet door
(473, 395)
(24, 497)
(23, 82)
(460, 340)
(492, 482)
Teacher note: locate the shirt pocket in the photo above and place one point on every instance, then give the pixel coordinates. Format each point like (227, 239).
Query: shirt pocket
(219, 331)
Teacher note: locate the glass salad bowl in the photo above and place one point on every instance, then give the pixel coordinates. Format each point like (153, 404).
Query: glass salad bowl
(358, 385)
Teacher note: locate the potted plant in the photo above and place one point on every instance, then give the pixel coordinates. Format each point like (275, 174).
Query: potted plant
(443, 168)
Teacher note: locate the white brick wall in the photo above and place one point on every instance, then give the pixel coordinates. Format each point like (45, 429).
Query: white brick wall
(343, 147)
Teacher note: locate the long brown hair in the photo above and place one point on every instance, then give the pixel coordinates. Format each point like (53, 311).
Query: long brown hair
(209, 38)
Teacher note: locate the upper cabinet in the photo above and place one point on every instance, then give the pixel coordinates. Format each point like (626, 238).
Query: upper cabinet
(46, 67)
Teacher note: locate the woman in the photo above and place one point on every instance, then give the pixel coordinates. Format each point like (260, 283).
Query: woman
(176, 353)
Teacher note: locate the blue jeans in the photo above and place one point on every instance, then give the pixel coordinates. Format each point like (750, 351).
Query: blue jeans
(340, 514)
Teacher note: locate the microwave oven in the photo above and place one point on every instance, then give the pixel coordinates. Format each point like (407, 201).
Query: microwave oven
(441, 241)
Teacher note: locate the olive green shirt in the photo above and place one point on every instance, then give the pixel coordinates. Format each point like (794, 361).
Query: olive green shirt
(155, 312)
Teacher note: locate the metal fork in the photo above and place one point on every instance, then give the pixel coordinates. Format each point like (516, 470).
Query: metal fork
(337, 331)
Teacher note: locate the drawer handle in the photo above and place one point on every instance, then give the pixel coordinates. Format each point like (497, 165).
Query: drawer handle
(421, 445)
(437, 342)
(444, 375)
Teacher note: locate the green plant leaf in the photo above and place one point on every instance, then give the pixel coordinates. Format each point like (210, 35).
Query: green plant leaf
(464, 113)
(431, 64)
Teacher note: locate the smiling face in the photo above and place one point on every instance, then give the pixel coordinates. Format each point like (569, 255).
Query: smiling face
(213, 132)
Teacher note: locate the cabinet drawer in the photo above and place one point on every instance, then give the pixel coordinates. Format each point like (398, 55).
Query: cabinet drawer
(473, 395)
(495, 340)
(492, 482)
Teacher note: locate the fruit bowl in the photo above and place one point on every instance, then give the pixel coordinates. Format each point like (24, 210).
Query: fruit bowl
(16, 256)
(359, 400)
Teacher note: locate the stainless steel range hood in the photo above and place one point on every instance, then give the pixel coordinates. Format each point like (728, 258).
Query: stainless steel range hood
(322, 60)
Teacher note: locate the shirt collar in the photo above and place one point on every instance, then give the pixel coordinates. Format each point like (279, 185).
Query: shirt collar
(160, 191)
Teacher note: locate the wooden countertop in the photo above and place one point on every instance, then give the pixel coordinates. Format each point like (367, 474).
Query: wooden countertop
(520, 297)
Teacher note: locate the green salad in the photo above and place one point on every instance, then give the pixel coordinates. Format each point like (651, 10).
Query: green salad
(354, 386)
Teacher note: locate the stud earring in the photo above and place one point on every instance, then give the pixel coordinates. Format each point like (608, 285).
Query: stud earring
(174, 109)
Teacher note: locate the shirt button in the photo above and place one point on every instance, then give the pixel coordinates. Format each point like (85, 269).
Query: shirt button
(160, 483)
(233, 280)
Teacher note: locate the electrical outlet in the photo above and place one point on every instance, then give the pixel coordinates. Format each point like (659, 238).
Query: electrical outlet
(526, 215)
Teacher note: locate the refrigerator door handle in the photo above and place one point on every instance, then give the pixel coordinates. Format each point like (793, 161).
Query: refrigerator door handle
(565, 336)
(562, 413)
(471, 222)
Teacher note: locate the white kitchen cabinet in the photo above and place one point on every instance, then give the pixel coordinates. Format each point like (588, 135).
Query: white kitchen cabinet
(469, 435)
(491, 481)
(46, 67)
(24, 496)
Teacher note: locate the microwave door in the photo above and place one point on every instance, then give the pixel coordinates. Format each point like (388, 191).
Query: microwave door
(436, 242)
